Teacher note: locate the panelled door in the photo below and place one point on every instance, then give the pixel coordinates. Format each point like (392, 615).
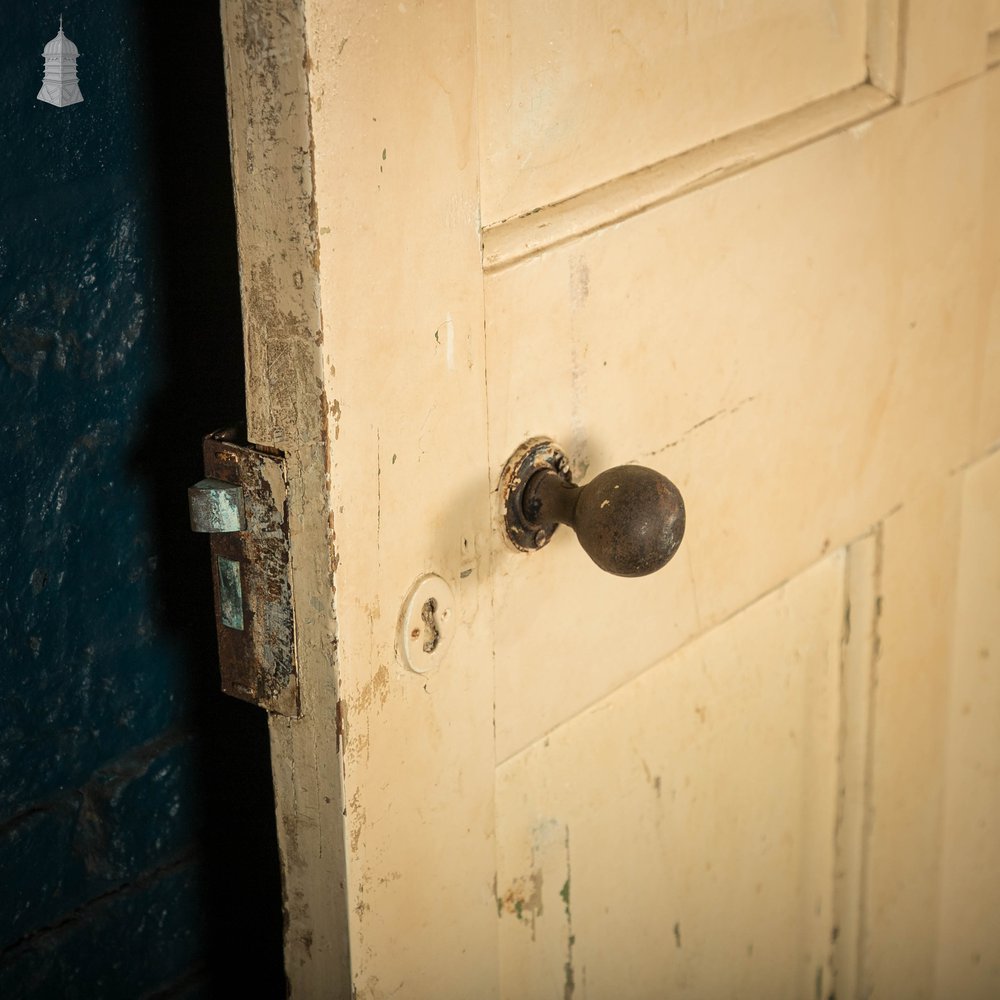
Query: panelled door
(755, 246)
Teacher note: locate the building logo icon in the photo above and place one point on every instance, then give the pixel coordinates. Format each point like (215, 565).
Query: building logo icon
(59, 86)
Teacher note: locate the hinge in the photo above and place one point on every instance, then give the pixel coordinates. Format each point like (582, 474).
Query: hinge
(243, 505)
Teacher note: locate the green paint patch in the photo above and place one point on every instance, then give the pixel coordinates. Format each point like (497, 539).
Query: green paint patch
(570, 984)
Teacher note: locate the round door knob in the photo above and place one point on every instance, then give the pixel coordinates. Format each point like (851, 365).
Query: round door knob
(629, 520)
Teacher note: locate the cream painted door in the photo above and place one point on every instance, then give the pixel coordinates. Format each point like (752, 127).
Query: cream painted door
(755, 246)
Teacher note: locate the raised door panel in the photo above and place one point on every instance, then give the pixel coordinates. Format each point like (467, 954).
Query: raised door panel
(574, 94)
(678, 837)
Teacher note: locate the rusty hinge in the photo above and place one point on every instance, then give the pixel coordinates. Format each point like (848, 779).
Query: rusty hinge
(243, 504)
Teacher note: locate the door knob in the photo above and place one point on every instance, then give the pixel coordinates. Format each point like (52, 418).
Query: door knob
(629, 520)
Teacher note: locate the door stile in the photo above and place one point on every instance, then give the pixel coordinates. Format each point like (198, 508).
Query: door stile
(356, 161)
(393, 91)
(271, 145)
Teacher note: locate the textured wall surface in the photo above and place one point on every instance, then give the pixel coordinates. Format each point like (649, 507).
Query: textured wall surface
(136, 833)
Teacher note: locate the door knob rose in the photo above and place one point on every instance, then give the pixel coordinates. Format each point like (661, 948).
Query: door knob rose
(629, 520)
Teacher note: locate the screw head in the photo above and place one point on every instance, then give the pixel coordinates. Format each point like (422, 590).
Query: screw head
(541, 537)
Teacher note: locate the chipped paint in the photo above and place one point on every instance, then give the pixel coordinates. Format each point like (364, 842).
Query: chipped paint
(449, 343)
(268, 66)
(357, 816)
(524, 899)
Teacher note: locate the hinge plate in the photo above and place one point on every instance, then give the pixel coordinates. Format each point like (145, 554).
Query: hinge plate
(250, 570)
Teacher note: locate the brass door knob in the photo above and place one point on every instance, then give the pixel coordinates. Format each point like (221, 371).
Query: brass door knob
(629, 520)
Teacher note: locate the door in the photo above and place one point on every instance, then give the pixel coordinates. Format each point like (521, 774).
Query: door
(755, 247)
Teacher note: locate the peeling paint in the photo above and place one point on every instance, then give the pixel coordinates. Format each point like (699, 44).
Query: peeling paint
(449, 342)
(569, 985)
(524, 899)
(579, 282)
(357, 817)
(335, 414)
(376, 689)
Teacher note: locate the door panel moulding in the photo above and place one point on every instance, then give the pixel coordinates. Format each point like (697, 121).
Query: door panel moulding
(905, 63)
(625, 197)
(859, 654)
(993, 48)
(885, 44)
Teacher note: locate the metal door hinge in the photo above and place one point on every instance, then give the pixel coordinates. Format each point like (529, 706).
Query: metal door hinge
(243, 505)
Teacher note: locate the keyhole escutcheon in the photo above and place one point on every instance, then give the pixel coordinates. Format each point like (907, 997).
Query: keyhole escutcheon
(426, 623)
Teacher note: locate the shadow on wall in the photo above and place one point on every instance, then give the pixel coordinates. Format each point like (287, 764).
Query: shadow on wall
(203, 390)
(137, 843)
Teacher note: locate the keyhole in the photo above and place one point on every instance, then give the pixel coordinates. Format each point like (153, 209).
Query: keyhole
(432, 634)
(426, 631)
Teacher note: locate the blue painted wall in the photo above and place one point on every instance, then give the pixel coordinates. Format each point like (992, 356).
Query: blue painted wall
(137, 853)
